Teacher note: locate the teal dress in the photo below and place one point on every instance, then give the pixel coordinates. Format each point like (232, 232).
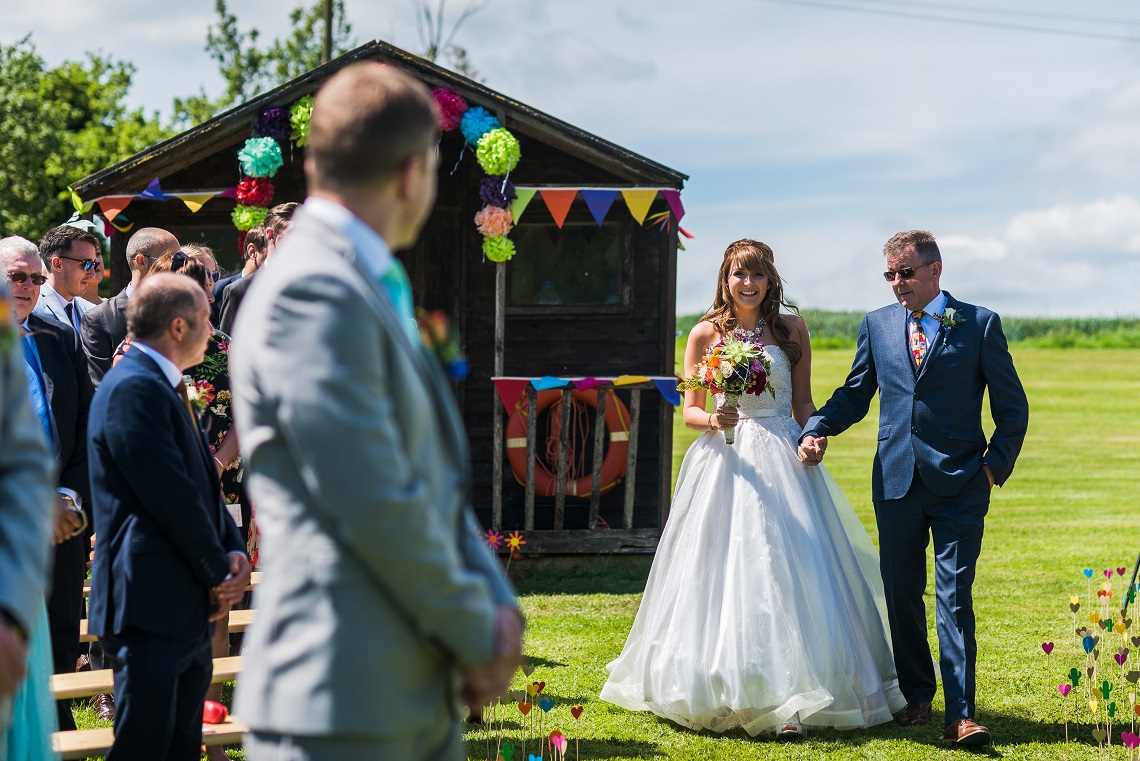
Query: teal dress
(34, 717)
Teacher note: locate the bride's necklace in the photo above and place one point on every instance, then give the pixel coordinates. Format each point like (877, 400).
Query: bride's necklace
(750, 336)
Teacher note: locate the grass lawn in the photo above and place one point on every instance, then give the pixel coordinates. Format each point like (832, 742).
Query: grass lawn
(1070, 505)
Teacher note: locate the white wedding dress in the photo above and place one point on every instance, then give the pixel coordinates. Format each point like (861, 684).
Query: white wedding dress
(764, 604)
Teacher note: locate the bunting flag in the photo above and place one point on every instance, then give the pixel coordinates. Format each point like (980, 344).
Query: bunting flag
(588, 383)
(113, 206)
(194, 201)
(668, 389)
(510, 391)
(518, 206)
(558, 201)
(154, 192)
(626, 380)
(599, 203)
(229, 192)
(638, 201)
(673, 198)
(549, 381)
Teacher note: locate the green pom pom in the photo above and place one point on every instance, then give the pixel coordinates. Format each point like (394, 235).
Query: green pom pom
(245, 217)
(299, 117)
(498, 152)
(498, 249)
(260, 157)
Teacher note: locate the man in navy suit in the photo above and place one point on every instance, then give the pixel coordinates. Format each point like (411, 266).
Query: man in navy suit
(57, 375)
(254, 254)
(931, 358)
(168, 557)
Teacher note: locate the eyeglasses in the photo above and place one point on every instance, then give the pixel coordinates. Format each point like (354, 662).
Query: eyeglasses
(906, 273)
(88, 264)
(19, 277)
(179, 260)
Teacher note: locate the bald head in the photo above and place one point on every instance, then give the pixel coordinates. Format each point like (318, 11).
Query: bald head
(368, 121)
(159, 299)
(149, 243)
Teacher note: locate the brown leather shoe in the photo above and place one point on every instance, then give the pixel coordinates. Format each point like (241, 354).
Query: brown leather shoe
(915, 714)
(104, 707)
(965, 733)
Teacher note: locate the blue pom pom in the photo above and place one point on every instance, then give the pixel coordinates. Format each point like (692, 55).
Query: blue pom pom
(477, 121)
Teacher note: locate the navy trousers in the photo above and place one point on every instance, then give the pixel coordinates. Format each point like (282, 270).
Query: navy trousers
(160, 688)
(906, 527)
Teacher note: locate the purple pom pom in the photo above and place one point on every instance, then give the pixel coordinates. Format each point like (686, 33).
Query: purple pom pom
(493, 193)
(274, 123)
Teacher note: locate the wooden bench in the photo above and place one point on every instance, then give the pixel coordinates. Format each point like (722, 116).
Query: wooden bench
(102, 682)
(254, 580)
(239, 622)
(83, 743)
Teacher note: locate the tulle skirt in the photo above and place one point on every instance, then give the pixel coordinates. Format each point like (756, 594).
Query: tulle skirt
(764, 604)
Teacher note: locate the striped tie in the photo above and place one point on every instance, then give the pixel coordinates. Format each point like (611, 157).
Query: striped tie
(917, 338)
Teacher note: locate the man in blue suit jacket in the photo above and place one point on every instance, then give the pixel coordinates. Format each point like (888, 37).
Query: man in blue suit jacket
(931, 358)
(168, 557)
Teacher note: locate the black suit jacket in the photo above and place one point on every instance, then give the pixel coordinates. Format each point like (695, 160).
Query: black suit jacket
(102, 330)
(231, 301)
(163, 530)
(69, 393)
(219, 287)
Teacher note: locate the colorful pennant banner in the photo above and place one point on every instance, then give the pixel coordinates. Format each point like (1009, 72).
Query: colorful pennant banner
(113, 206)
(518, 206)
(558, 201)
(511, 389)
(599, 203)
(598, 200)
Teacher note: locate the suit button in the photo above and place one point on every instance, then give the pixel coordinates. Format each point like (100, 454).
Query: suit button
(914, 429)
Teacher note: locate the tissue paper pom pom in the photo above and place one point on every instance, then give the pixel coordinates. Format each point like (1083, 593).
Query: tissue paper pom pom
(241, 242)
(274, 123)
(493, 221)
(494, 192)
(245, 217)
(498, 152)
(476, 122)
(498, 249)
(254, 191)
(260, 157)
(299, 117)
(451, 107)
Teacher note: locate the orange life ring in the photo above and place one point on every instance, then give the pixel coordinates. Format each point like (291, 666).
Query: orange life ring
(614, 464)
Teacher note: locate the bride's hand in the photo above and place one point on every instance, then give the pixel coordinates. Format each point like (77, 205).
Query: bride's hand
(725, 417)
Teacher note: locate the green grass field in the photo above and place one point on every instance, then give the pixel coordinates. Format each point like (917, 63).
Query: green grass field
(1071, 504)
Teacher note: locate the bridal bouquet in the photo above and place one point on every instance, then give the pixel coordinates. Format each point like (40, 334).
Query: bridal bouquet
(732, 367)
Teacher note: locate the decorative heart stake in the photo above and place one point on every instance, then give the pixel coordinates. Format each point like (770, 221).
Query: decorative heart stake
(1096, 654)
(1088, 644)
(1074, 606)
(1100, 733)
(1088, 572)
(1047, 647)
(1093, 704)
(1120, 658)
(538, 687)
(1120, 627)
(559, 744)
(525, 708)
(1108, 573)
(532, 689)
(546, 704)
(1120, 571)
(1129, 739)
(1064, 689)
(532, 757)
(1094, 617)
(527, 668)
(1074, 599)
(1133, 676)
(1136, 709)
(1126, 621)
(1135, 641)
(1090, 671)
(576, 711)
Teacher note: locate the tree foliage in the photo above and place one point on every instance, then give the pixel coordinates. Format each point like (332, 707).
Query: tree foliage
(250, 69)
(58, 125)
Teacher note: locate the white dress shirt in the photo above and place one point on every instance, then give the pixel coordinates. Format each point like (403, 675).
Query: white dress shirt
(169, 369)
(930, 323)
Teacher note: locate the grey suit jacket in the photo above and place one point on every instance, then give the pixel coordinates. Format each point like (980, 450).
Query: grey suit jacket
(27, 489)
(376, 584)
(47, 306)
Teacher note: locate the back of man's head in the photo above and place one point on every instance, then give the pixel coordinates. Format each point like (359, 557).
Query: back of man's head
(59, 241)
(157, 301)
(150, 242)
(280, 217)
(368, 120)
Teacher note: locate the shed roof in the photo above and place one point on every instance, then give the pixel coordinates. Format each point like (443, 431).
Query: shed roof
(176, 153)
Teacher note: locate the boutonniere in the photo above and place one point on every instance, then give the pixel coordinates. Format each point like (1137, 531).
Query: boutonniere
(951, 318)
(442, 340)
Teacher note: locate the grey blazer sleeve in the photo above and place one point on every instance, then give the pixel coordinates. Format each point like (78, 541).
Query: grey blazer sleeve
(26, 494)
(1009, 406)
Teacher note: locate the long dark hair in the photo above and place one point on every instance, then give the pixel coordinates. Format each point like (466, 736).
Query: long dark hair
(757, 257)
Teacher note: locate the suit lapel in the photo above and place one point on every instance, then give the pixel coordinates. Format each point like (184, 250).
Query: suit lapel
(44, 346)
(937, 344)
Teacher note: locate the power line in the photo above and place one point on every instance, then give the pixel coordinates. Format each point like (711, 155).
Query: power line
(961, 21)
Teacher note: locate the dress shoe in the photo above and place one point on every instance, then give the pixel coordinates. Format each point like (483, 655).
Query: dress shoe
(104, 707)
(965, 733)
(790, 731)
(915, 714)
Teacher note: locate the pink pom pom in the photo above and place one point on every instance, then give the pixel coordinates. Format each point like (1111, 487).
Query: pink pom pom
(492, 221)
(451, 107)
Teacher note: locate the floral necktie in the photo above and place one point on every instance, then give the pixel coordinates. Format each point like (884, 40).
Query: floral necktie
(917, 338)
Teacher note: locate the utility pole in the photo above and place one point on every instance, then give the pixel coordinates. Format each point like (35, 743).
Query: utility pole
(326, 52)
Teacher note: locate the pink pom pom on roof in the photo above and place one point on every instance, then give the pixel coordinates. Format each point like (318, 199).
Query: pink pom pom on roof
(451, 107)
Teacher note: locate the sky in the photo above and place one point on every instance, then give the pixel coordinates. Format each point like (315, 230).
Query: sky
(820, 127)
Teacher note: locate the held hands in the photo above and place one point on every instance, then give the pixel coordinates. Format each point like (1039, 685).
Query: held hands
(811, 450)
(69, 520)
(482, 684)
(233, 587)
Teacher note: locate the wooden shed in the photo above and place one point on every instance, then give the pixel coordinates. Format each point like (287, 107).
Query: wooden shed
(588, 295)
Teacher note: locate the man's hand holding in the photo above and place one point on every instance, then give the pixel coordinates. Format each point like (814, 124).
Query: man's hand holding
(811, 449)
(482, 684)
(233, 588)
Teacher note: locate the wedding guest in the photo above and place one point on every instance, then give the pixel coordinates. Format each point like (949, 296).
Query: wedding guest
(253, 256)
(358, 463)
(168, 558)
(71, 257)
(105, 326)
(276, 226)
(61, 391)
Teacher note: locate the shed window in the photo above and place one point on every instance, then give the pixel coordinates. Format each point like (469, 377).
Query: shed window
(576, 266)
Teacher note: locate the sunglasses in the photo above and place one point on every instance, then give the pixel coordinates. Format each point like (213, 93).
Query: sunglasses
(906, 273)
(19, 277)
(88, 264)
(179, 260)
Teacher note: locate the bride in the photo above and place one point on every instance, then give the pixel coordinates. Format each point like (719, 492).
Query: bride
(764, 607)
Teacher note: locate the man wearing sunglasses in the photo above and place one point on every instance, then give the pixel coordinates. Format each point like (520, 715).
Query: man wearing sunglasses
(56, 373)
(70, 257)
(931, 358)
